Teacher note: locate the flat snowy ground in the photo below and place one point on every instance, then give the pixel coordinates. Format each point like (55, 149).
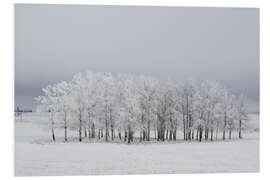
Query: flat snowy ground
(74, 158)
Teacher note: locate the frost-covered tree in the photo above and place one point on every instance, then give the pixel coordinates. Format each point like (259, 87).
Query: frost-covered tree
(131, 107)
(108, 91)
(78, 100)
(188, 100)
(92, 101)
(48, 103)
(208, 98)
(226, 109)
(124, 104)
(147, 94)
(62, 92)
(241, 114)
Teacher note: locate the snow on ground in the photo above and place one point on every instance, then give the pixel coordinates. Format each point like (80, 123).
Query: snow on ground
(74, 158)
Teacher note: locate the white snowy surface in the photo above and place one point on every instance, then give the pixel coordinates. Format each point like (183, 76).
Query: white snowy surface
(74, 158)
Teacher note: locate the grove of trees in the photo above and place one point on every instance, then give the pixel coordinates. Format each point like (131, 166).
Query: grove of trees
(128, 108)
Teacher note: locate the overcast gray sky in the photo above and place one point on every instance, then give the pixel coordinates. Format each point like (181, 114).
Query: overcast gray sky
(53, 42)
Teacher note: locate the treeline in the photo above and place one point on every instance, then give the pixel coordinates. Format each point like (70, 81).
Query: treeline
(102, 105)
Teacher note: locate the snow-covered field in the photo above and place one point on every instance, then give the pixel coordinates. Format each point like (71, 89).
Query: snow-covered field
(34, 157)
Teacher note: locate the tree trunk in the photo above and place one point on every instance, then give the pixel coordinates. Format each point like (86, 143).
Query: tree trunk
(155, 133)
(93, 131)
(189, 128)
(175, 130)
(65, 133)
(80, 128)
(144, 134)
(148, 131)
(52, 126)
(65, 125)
(184, 126)
(89, 125)
(197, 134)
(129, 134)
(140, 135)
(53, 136)
(85, 133)
(200, 133)
(112, 125)
(224, 127)
(170, 135)
(141, 130)
(230, 133)
(240, 129)
(174, 133)
(217, 131)
(89, 132)
(106, 123)
(163, 134)
(119, 135)
(206, 133)
(125, 138)
(132, 137)
(112, 132)
(212, 132)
